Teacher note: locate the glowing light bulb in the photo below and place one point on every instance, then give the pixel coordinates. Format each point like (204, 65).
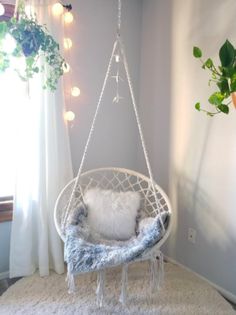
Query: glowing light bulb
(2, 9)
(29, 10)
(68, 17)
(66, 67)
(67, 43)
(75, 91)
(117, 58)
(57, 9)
(69, 116)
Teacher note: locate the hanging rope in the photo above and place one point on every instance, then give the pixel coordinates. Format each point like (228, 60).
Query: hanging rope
(119, 18)
(89, 137)
(139, 125)
(118, 43)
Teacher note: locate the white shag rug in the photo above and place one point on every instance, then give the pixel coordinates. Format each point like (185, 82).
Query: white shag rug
(182, 294)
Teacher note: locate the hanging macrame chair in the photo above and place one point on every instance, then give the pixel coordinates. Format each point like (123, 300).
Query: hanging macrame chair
(86, 255)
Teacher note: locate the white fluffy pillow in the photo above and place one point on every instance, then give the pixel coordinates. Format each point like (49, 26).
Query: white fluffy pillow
(112, 214)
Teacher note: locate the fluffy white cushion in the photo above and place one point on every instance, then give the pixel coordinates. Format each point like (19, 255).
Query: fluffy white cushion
(112, 214)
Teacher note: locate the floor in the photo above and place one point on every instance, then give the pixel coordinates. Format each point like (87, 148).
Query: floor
(6, 283)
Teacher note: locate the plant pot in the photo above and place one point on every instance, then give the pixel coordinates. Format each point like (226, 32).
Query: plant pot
(233, 96)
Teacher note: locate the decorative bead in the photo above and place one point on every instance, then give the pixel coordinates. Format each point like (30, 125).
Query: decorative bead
(117, 58)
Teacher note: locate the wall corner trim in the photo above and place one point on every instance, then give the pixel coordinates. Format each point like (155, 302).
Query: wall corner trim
(228, 295)
(4, 275)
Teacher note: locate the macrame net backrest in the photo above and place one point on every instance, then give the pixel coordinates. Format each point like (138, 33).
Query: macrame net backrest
(153, 200)
(116, 179)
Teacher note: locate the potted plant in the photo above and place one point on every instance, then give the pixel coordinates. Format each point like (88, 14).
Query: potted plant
(223, 77)
(32, 42)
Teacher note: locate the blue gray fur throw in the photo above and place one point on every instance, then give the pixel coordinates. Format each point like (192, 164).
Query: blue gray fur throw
(86, 251)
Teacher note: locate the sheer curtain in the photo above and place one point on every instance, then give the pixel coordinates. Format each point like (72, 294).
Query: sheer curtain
(43, 168)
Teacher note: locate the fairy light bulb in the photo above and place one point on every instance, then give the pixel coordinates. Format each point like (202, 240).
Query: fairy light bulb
(2, 9)
(57, 9)
(75, 91)
(69, 116)
(68, 17)
(67, 43)
(29, 10)
(66, 67)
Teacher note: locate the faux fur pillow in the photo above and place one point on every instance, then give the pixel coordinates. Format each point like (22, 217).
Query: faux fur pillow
(112, 214)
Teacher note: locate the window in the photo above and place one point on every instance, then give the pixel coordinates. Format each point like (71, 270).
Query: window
(7, 164)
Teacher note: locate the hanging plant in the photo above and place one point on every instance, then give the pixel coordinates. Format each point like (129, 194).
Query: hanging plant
(223, 77)
(33, 42)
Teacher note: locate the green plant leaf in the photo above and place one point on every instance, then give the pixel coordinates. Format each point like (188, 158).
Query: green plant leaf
(228, 72)
(227, 54)
(233, 83)
(33, 42)
(30, 61)
(223, 108)
(209, 63)
(216, 98)
(197, 106)
(197, 52)
(224, 87)
(233, 86)
(3, 29)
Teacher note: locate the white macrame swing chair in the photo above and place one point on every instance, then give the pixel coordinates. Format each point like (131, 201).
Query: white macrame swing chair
(82, 255)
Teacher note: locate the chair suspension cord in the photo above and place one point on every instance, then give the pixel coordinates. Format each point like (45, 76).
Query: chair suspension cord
(119, 42)
(139, 126)
(89, 136)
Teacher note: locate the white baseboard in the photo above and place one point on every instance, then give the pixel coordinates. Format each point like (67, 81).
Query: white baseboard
(228, 295)
(4, 275)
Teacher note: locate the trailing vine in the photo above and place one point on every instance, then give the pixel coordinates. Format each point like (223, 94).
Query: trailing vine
(222, 76)
(33, 42)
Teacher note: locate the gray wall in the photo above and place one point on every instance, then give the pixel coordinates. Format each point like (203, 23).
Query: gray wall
(5, 229)
(201, 151)
(115, 138)
(192, 157)
(155, 84)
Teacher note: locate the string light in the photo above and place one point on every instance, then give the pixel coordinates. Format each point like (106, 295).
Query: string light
(75, 91)
(29, 10)
(67, 43)
(68, 17)
(2, 9)
(57, 9)
(69, 116)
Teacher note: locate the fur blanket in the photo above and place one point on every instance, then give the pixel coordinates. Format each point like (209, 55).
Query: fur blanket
(86, 251)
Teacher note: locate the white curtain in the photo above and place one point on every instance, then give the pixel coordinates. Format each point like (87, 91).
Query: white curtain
(43, 168)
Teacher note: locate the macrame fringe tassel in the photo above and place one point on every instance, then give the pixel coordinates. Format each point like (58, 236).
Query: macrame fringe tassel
(100, 287)
(71, 283)
(124, 283)
(156, 272)
(161, 271)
